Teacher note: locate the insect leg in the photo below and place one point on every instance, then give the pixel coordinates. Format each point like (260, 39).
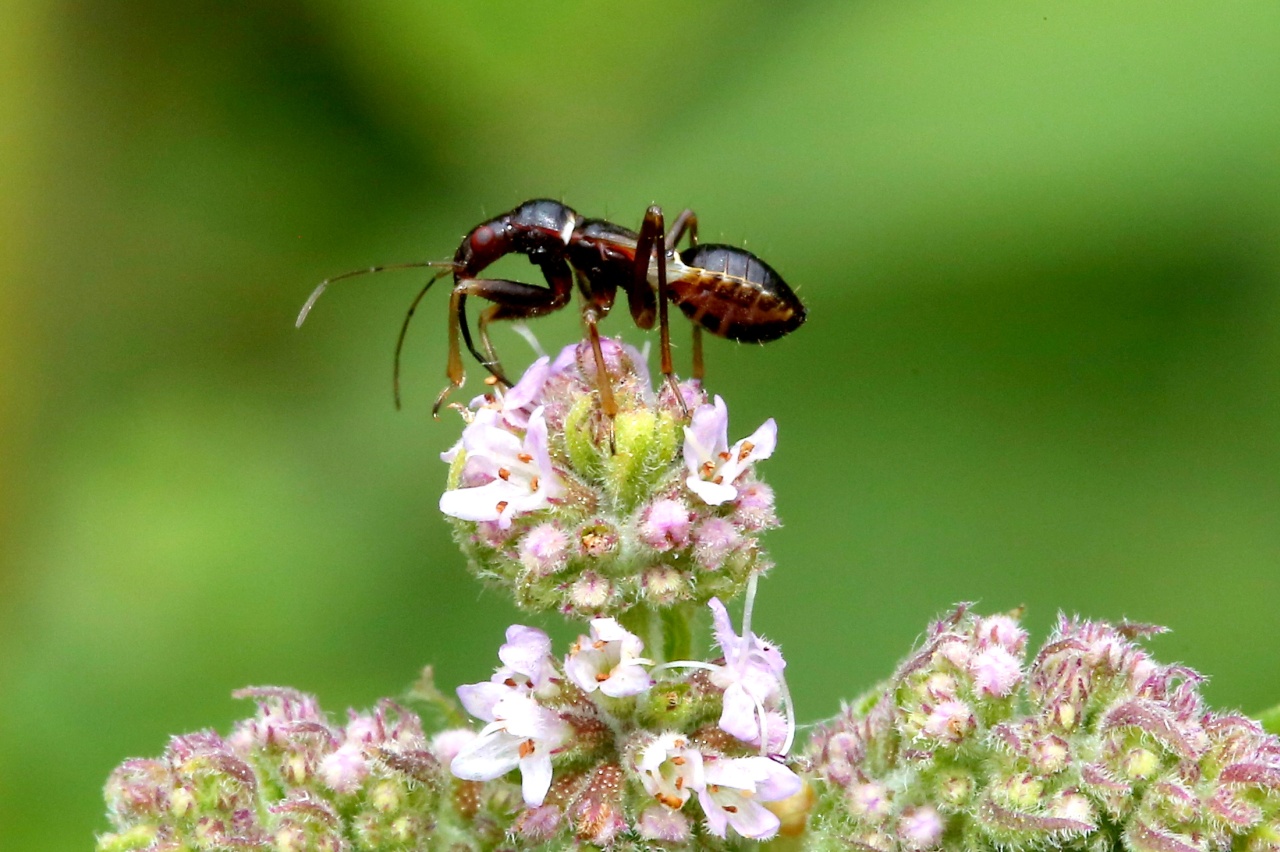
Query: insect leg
(404, 329)
(597, 300)
(511, 300)
(652, 237)
(687, 221)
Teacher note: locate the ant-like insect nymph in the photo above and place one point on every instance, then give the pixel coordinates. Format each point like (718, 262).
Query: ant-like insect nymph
(726, 290)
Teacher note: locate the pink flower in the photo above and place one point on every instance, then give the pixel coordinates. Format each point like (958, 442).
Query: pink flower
(344, 769)
(527, 657)
(522, 399)
(665, 525)
(528, 667)
(664, 825)
(544, 550)
(609, 660)
(713, 540)
(920, 828)
(714, 466)
(949, 721)
(995, 671)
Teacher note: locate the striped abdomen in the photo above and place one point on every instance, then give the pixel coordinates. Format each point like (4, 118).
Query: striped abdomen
(732, 293)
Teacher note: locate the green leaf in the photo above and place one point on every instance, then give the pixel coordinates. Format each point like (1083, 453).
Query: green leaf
(1270, 719)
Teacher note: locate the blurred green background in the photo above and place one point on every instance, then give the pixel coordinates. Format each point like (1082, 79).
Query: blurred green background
(1039, 242)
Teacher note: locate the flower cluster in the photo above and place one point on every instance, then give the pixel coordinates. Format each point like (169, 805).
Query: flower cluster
(290, 779)
(1090, 745)
(608, 744)
(571, 509)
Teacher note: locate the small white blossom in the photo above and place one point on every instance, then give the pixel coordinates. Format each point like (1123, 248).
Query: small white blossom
(503, 474)
(735, 788)
(521, 733)
(751, 678)
(608, 660)
(713, 465)
(670, 770)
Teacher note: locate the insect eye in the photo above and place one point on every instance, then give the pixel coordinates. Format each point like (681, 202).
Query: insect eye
(481, 237)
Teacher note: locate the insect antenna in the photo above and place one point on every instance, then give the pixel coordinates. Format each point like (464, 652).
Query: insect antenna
(404, 326)
(320, 288)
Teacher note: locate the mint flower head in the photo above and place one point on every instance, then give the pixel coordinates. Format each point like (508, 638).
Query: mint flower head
(609, 744)
(291, 779)
(572, 510)
(1090, 744)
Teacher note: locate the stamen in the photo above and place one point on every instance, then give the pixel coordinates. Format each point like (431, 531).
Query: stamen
(678, 760)
(733, 809)
(725, 456)
(601, 677)
(502, 506)
(525, 457)
(670, 801)
(533, 484)
(527, 748)
(718, 480)
(504, 474)
(490, 380)
(708, 468)
(747, 447)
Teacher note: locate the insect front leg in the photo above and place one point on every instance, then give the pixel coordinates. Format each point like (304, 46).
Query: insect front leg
(511, 300)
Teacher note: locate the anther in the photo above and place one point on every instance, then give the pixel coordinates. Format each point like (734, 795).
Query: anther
(533, 484)
(747, 447)
(504, 474)
(526, 748)
(525, 457)
(708, 468)
(725, 456)
(502, 506)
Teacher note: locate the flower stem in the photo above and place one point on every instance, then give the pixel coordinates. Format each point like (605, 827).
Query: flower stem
(667, 631)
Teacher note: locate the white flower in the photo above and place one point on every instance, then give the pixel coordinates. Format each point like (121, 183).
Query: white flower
(735, 788)
(671, 771)
(514, 474)
(713, 465)
(518, 402)
(608, 660)
(522, 733)
(751, 678)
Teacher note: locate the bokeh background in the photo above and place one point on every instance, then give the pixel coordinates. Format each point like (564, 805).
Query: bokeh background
(1039, 242)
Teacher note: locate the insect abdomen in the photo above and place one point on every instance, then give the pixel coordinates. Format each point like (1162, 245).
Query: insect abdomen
(732, 293)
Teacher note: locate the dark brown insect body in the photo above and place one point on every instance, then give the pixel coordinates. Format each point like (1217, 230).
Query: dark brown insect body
(726, 290)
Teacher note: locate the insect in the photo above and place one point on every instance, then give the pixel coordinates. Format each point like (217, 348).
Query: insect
(724, 289)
